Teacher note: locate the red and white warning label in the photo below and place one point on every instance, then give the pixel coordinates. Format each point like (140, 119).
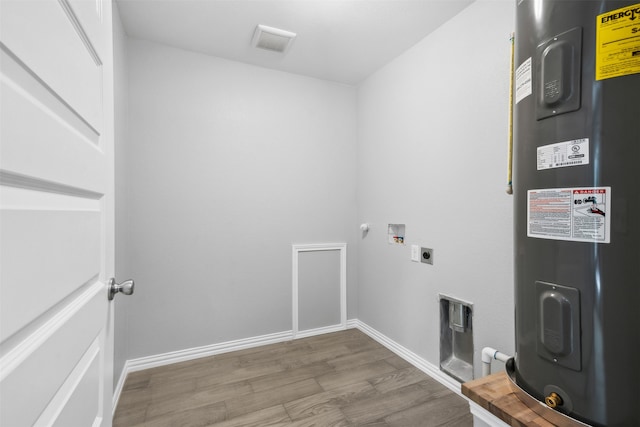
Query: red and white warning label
(573, 214)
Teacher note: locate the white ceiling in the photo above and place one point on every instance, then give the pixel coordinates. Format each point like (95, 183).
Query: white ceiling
(338, 40)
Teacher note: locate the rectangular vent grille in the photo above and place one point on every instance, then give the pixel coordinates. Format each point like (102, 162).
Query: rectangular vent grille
(272, 39)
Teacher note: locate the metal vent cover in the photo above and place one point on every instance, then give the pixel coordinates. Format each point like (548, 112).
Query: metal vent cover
(273, 39)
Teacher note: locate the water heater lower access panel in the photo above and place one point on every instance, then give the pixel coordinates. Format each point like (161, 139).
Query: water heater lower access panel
(558, 324)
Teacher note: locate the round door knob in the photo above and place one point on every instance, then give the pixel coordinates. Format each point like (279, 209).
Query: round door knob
(125, 287)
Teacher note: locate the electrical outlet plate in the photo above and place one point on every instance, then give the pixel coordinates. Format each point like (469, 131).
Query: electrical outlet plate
(426, 255)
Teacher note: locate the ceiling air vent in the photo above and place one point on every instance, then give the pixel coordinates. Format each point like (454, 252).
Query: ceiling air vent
(273, 39)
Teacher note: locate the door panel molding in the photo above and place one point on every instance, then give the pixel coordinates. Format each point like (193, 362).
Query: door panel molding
(82, 381)
(31, 28)
(16, 180)
(68, 9)
(19, 78)
(47, 358)
(12, 357)
(63, 244)
(16, 198)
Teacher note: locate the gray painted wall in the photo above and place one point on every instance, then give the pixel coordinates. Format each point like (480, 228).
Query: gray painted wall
(227, 166)
(432, 129)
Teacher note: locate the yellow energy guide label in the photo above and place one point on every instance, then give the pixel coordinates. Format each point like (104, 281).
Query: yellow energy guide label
(618, 42)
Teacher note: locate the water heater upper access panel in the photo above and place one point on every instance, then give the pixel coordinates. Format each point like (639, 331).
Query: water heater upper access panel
(558, 73)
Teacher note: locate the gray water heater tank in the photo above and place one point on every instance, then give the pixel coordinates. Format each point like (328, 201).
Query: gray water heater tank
(577, 207)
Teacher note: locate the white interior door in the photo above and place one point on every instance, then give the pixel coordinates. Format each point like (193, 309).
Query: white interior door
(56, 217)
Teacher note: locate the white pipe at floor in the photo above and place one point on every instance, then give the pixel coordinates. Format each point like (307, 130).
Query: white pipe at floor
(489, 354)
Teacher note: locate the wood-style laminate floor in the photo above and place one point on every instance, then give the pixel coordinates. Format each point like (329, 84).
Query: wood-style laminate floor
(338, 379)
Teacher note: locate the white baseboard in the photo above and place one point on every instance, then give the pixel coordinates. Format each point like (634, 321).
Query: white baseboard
(319, 331)
(484, 418)
(417, 361)
(193, 353)
(225, 347)
(117, 390)
(207, 350)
